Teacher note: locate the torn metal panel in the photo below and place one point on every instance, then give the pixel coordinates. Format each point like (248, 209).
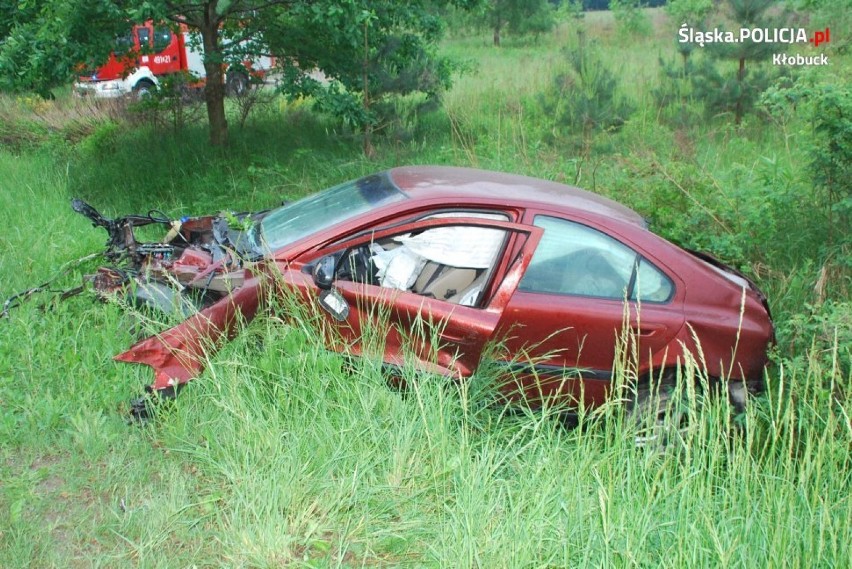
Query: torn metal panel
(198, 270)
(198, 258)
(179, 354)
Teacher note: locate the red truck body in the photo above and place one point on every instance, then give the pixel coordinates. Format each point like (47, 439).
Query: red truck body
(152, 51)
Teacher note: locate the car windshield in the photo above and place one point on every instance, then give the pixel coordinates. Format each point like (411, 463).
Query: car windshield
(320, 211)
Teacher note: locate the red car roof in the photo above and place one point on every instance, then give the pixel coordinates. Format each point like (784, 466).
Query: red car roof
(448, 182)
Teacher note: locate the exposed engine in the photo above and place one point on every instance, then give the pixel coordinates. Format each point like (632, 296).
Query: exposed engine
(198, 260)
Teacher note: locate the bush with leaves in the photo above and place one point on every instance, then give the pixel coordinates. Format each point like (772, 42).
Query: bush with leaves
(830, 157)
(675, 90)
(516, 17)
(826, 106)
(249, 94)
(175, 103)
(822, 331)
(673, 94)
(379, 51)
(835, 14)
(690, 12)
(694, 14)
(722, 92)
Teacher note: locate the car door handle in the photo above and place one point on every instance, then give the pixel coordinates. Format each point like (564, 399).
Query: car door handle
(458, 338)
(647, 330)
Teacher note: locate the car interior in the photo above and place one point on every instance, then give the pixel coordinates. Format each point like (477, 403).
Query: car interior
(447, 263)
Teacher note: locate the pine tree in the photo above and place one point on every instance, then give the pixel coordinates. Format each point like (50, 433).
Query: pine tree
(723, 91)
(588, 99)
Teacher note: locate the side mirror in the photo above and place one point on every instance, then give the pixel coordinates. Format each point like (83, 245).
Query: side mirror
(334, 303)
(324, 272)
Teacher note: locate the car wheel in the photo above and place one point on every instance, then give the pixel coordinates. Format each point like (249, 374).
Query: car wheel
(660, 409)
(741, 391)
(143, 90)
(238, 84)
(659, 412)
(145, 407)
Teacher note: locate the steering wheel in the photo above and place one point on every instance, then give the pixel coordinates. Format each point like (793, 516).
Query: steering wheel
(357, 266)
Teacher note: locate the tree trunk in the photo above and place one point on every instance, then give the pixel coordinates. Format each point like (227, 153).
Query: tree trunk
(497, 21)
(738, 113)
(214, 89)
(369, 149)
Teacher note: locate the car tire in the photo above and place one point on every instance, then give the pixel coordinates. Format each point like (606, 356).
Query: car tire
(741, 391)
(143, 89)
(660, 409)
(237, 84)
(658, 412)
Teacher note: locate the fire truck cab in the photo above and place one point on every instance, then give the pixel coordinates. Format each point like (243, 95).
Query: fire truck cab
(149, 52)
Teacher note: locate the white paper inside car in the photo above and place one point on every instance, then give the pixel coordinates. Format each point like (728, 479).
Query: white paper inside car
(463, 247)
(397, 268)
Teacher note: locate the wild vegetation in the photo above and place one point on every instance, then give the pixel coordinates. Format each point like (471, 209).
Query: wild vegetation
(282, 454)
(365, 49)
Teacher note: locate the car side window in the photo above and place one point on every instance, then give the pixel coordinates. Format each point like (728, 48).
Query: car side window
(162, 38)
(574, 259)
(144, 37)
(650, 284)
(452, 263)
(123, 44)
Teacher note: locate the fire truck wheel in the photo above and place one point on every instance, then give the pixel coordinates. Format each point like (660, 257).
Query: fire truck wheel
(143, 89)
(238, 84)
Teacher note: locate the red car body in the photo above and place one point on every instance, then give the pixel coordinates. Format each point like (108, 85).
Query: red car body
(561, 278)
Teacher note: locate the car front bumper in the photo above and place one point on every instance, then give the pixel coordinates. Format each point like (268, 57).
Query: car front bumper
(101, 89)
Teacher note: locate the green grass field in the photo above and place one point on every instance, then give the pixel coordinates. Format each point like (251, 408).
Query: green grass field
(280, 455)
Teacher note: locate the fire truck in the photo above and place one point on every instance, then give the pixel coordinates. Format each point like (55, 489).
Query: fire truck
(151, 51)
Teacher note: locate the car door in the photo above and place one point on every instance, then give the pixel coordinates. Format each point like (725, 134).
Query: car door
(410, 312)
(586, 300)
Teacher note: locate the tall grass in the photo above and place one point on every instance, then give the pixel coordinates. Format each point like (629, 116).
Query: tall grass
(284, 454)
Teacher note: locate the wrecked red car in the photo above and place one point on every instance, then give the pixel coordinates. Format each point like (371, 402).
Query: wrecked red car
(556, 276)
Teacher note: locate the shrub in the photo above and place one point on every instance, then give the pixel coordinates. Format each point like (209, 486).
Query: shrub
(176, 103)
(630, 19)
(586, 99)
(826, 107)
